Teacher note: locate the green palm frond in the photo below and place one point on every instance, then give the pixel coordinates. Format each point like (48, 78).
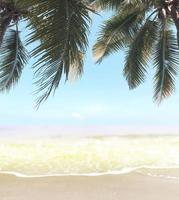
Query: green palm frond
(141, 40)
(62, 28)
(10, 12)
(117, 32)
(117, 4)
(4, 23)
(13, 57)
(166, 63)
(59, 31)
(138, 54)
(108, 4)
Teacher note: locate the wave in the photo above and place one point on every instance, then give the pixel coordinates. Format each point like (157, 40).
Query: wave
(18, 174)
(173, 173)
(153, 156)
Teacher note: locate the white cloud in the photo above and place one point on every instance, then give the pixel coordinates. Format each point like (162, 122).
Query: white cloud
(90, 111)
(78, 116)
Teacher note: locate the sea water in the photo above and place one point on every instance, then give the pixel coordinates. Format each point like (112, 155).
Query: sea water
(149, 155)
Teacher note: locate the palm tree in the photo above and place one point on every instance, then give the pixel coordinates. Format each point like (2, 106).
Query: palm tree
(144, 29)
(59, 26)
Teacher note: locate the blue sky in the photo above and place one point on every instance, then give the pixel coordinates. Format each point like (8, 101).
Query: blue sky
(100, 102)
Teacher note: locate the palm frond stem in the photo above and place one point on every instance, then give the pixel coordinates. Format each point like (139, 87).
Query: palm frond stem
(164, 60)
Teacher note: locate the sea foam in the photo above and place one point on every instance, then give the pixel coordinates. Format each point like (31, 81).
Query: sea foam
(155, 156)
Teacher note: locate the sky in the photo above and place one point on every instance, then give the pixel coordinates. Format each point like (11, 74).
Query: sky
(99, 103)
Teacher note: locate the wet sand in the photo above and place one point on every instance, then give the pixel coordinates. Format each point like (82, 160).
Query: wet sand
(108, 187)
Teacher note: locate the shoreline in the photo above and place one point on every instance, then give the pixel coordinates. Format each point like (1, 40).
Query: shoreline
(137, 170)
(131, 186)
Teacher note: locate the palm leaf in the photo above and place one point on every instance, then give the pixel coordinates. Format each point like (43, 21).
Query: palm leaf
(4, 23)
(117, 4)
(61, 27)
(10, 12)
(117, 32)
(166, 63)
(13, 57)
(138, 54)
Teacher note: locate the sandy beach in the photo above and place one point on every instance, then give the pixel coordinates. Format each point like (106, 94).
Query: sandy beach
(109, 187)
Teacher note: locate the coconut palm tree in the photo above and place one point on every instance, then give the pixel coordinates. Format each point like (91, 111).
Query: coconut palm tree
(59, 26)
(145, 30)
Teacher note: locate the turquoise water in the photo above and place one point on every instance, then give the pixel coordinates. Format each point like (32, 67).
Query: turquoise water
(91, 156)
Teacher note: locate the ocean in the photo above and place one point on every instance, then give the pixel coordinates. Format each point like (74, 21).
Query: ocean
(91, 156)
